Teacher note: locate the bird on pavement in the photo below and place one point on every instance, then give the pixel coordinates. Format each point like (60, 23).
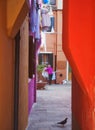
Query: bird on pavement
(62, 123)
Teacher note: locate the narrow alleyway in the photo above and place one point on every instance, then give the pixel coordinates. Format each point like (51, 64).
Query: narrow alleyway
(53, 105)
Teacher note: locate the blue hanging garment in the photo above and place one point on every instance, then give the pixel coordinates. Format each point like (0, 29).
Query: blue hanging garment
(45, 1)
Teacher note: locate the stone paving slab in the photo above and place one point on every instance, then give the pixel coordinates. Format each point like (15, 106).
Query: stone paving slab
(53, 105)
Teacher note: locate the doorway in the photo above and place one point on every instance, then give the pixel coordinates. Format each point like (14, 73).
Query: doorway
(16, 80)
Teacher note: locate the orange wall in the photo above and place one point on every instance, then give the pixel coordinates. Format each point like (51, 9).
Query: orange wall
(79, 47)
(23, 76)
(8, 27)
(16, 12)
(6, 74)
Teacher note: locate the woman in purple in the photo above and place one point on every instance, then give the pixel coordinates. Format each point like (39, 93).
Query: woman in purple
(49, 69)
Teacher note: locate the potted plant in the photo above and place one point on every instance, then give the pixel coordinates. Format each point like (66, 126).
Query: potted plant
(41, 82)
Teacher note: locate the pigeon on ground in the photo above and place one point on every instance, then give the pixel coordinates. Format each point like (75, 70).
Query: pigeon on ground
(62, 123)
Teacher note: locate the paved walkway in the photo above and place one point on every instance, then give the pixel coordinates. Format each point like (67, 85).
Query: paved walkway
(53, 105)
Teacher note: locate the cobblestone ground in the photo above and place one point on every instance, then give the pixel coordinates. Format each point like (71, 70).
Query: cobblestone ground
(53, 105)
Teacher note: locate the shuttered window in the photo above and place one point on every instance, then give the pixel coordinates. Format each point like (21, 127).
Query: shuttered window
(45, 58)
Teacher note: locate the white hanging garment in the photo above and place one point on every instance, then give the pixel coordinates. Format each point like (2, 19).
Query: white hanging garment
(43, 40)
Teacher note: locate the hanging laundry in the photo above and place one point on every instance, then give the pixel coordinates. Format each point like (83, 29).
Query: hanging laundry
(32, 17)
(35, 19)
(51, 27)
(46, 1)
(43, 40)
(46, 22)
(37, 31)
(39, 4)
(38, 44)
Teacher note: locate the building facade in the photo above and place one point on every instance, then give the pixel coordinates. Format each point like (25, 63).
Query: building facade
(52, 52)
(13, 81)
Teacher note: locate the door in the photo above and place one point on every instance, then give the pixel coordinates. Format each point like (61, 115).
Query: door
(16, 80)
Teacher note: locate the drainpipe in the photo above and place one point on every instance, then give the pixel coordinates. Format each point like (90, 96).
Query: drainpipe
(67, 71)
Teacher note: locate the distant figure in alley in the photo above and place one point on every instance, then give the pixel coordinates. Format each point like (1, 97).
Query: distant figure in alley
(49, 69)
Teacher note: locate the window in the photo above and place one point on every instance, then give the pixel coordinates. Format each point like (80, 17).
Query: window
(45, 58)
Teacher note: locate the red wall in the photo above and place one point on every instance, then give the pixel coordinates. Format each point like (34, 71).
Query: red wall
(82, 108)
(79, 46)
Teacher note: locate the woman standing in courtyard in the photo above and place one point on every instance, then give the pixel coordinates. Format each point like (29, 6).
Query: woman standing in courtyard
(49, 69)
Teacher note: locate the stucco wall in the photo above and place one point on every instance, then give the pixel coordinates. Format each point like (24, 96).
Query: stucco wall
(82, 110)
(51, 42)
(61, 59)
(79, 47)
(16, 11)
(7, 62)
(23, 76)
(6, 73)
